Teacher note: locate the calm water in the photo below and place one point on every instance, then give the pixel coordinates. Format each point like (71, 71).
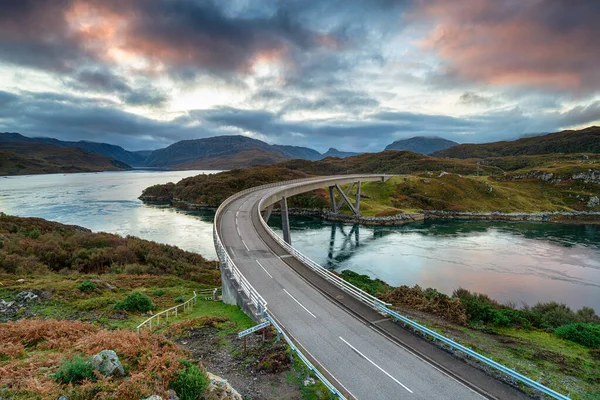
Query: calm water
(510, 261)
(108, 202)
(518, 262)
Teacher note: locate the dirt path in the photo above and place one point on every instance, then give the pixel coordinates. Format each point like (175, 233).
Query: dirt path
(264, 372)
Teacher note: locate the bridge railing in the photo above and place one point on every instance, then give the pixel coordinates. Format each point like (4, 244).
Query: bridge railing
(383, 308)
(305, 360)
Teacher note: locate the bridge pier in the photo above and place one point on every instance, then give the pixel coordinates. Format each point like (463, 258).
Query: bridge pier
(285, 221)
(336, 206)
(267, 213)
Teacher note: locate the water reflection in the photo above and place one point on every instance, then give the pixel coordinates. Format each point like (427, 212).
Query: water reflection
(521, 262)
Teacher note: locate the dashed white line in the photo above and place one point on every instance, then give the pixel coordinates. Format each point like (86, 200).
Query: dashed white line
(377, 366)
(300, 304)
(238, 230)
(258, 262)
(244, 243)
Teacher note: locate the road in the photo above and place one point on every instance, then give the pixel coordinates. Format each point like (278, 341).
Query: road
(361, 361)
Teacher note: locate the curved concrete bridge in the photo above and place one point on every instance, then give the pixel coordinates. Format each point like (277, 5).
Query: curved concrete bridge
(365, 355)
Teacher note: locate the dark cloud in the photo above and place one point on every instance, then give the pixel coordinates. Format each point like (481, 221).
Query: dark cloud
(103, 81)
(472, 98)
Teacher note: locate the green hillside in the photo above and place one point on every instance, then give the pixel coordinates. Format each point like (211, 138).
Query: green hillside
(29, 158)
(571, 141)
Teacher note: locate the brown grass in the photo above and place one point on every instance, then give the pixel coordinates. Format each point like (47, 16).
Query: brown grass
(33, 349)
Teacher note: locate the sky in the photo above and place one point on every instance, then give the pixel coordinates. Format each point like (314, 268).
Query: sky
(354, 75)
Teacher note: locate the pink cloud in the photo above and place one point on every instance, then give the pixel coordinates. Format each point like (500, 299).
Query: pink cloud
(550, 44)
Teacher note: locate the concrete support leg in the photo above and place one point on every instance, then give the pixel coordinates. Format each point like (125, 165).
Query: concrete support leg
(267, 213)
(345, 199)
(332, 197)
(285, 221)
(357, 204)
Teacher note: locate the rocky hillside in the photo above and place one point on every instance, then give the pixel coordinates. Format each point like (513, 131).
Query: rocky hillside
(422, 144)
(571, 141)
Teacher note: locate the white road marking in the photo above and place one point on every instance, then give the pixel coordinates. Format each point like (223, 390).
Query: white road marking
(300, 304)
(258, 262)
(238, 230)
(377, 366)
(237, 214)
(313, 357)
(244, 243)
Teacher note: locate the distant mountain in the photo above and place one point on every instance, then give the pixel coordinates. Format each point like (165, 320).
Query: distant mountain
(215, 152)
(23, 158)
(304, 153)
(422, 144)
(339, 154)
(571, 141)
(105, 149)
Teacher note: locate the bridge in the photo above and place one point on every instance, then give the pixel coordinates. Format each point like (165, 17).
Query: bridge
(352, 338)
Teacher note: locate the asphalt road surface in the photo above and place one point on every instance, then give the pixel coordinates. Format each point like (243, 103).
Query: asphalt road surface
(363, 363)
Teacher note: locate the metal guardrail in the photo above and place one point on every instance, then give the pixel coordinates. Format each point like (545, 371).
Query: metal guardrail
(170, 311)
(383, 308)
(486, 360)
(305, 360)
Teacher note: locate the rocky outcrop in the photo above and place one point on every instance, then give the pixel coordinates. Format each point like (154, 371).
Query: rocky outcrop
(575, 216)
(589, 176)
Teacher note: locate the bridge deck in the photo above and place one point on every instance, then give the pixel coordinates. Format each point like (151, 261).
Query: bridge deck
(363, 363)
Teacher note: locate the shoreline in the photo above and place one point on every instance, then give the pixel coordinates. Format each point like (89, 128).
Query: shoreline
(563, 217)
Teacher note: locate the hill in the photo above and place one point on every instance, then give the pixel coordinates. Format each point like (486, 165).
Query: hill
(105, 149)
(222, 152)
(332, 152)
(571, 141)
(421, 144)
(32, 158)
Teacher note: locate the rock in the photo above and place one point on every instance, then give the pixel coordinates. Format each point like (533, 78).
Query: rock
(20, 280)
(153, 397)
(442, 174)
(26, 296)
(63, 397)
(593, 202)
(173, 395)
(308, 381)
(220, 389)
(107, 363)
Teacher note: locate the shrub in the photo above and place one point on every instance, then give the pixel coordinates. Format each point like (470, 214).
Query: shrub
(586, 334)
(191, 382)
(553, 314)
(74, 371)
(364, 282)
(86, 286)
(135, 301)
(179, 299)
(158, 292)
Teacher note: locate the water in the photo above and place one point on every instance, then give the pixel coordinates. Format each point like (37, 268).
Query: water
(107, 202)
(519, 262)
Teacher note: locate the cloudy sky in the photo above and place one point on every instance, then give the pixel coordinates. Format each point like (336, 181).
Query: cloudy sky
(355, 75)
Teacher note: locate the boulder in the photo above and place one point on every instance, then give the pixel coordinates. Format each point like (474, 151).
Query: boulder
(220, 389)
(153, 397)
(107, 363)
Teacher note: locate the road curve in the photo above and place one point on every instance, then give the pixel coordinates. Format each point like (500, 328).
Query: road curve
(362, 362)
